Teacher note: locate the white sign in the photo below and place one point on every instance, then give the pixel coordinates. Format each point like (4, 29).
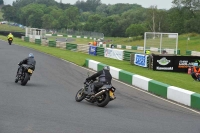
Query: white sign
(114, 53)
(172, 36)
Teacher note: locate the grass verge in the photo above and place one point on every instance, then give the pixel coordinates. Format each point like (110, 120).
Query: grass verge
(175, 79)
(6, 27)
(76, 40)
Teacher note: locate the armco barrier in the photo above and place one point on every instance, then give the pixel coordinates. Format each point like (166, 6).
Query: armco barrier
(173, 93)
(15, 34)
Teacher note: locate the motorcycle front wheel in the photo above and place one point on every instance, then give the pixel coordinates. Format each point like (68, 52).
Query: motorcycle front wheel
(80, 95)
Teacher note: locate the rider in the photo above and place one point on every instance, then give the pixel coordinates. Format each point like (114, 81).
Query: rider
(29, 61)
(10, 35)
(196, 72)
(104, 78)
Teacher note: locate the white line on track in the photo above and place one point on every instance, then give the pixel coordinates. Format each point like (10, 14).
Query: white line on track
(185, 107)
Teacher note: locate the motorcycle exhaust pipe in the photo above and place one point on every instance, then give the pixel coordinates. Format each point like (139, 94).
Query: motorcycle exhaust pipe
(99, 93)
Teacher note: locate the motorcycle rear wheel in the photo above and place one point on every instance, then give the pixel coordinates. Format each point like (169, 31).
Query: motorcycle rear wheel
(25, 80)
(10, 42)
(103, 102)
(80, 95)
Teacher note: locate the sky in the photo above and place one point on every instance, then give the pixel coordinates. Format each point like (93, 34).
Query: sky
(161, 4)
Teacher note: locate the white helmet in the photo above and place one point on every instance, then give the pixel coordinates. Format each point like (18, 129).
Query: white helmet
(106, 68)
(31, 55)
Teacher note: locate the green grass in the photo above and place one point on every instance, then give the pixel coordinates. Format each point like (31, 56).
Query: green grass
(76, 40)
(5, 27)
(176, 79)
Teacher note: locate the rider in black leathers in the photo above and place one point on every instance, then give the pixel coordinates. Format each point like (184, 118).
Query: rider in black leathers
(28, 61)
(104, 78)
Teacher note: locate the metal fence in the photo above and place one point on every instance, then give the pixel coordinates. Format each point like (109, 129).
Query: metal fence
(75, 32)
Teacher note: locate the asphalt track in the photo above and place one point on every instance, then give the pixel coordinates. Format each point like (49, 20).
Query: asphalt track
(47, 104)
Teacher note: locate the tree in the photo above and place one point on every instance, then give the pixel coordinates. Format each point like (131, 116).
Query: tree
(89, 5)
(47, 20)
(191, 4)
(31, 15)
(152, 14)
(135, 30)
(9, 13)
(92, 23)
(109, 26)
(102, 9)
(1, 2)
(73, 16)
(176, 20)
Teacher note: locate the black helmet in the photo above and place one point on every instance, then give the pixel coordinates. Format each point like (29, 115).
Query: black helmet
(106, 68)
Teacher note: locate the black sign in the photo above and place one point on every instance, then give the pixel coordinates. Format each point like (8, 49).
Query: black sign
(174, 63)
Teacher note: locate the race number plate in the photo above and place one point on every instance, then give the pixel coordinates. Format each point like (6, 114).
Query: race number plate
(30, 71)
(111, 94)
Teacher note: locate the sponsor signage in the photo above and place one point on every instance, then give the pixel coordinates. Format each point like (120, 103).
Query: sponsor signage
(93, 50)
(163, 63)
(140, 60)
(114, 53)
(175, 63)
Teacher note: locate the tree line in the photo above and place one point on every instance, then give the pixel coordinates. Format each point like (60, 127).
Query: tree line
(117, 20)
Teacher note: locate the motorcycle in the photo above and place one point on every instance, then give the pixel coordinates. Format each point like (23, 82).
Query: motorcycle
(104, 95)
(24, 73)
(10, 41)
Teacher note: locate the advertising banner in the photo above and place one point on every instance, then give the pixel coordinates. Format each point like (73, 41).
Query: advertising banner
(140, 60)
(114, 53)
(174, 63)
(163, 63)
(93, 50)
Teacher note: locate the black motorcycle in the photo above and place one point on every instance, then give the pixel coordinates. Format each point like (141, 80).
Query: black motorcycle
(104, 95)
(10, 41)
(24, 73)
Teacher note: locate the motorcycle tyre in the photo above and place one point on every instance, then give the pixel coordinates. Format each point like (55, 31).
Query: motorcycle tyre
(81, 98)
(105, 102)
(26, 78)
